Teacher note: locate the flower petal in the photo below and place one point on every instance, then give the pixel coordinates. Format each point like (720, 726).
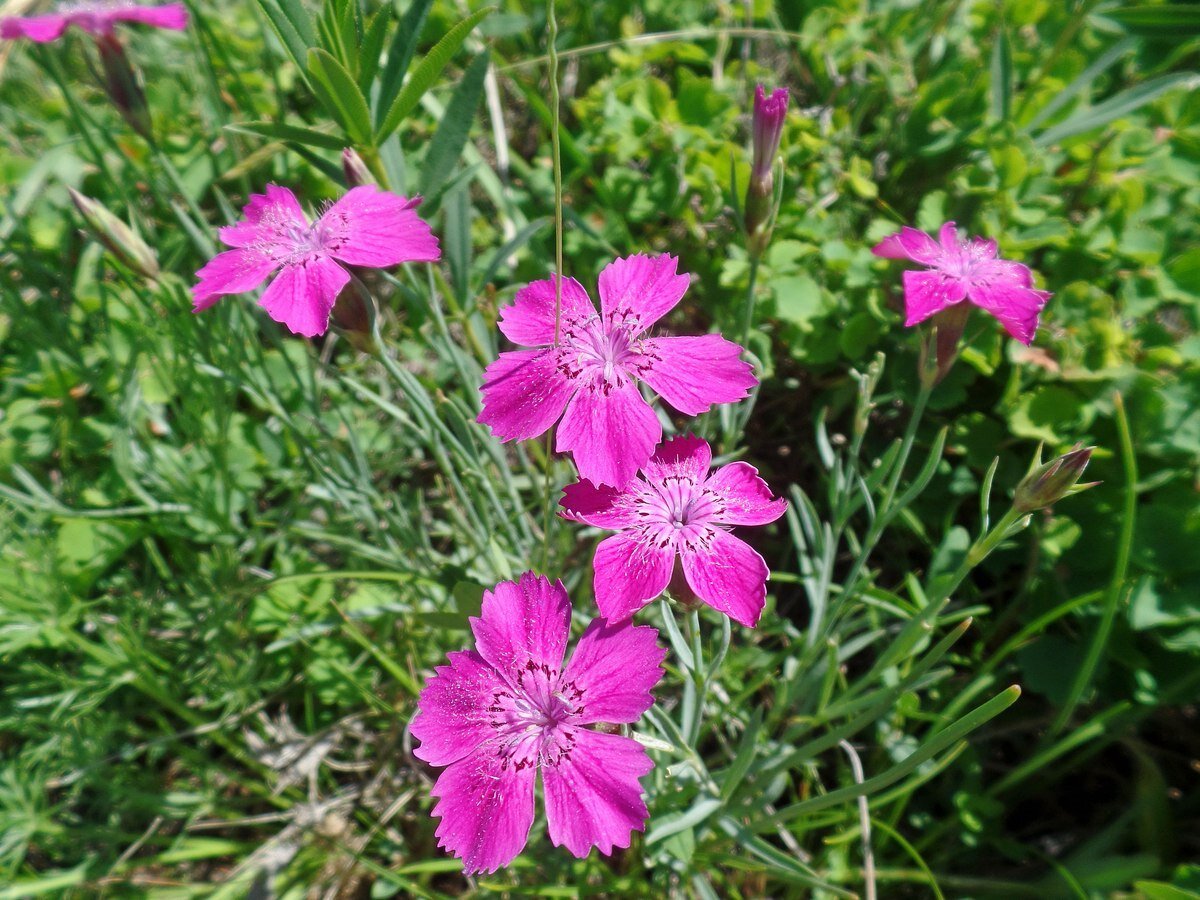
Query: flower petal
(273, 222)
(524, 393)
(929, 292)
(948, 236)
(686, 456)
(521, 622)
(370, 227)
(729, 576)
(593, 797)
(41, 29)
(629, 574)
(610, 429)
(615, 667)
(304, 293)
(529, 319)
(1007, 294)
(694, 373)
(603, 506)
(485, 802)
(745, 497)
(641, 288)
(231, 272)
(453, 717)
(171, 15)
(909, 243)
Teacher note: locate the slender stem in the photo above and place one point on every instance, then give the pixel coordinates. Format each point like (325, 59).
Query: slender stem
(1116, 585)
(864, 820)
(556, 157)
(751, 290)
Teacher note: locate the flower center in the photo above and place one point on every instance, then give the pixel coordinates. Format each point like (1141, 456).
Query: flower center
(604, 351)
(675, 510)
(531, 715)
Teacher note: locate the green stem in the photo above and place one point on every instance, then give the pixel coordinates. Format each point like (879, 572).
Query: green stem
(556, 157)
(1116, 585)
(751, 291)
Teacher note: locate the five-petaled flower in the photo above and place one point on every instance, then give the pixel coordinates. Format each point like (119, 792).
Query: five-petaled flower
(96, 18)
(367, 227)
(589, 371)
(964, 270)
(498, 714)
(676, 509)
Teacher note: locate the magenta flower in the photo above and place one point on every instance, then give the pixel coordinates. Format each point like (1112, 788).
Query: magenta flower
(969, 270)
(367, 227)
(677, 510)
(96, 18)
(589, 376)
(498, 714)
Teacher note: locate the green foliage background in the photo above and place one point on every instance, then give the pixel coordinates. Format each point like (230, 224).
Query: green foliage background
(230, 557)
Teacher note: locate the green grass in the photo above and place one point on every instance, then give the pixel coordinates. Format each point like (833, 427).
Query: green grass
(221, 543)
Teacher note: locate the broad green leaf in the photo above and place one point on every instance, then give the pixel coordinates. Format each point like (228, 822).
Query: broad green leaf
(447, 143)
(296, 134)
(427, 72)
(338, 91)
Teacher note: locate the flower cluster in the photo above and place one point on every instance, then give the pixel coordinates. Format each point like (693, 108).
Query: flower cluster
(514, 708)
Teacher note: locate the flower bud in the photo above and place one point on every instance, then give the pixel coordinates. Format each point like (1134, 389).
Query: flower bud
(766, 132)
(122, 85)
(1047, 483)
(948, 326)
(354, 315)
(355, 170)
(118, 237)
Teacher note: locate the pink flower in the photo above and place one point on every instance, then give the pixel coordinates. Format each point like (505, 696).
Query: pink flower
(96, 18)
(499, 713)
(959, 270)
(367, 227)
(589, 376)
(676, 509)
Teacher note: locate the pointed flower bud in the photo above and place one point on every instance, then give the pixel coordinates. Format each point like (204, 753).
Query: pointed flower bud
(355, 169)
(122, 84)
(118, 237)
(1047, 483)
(766, 132)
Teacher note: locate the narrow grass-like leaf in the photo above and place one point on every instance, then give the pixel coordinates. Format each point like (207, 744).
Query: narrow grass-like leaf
(943, 740)
(1001, 75)
(1082, 81)
(447, 143)
(296, 134)
(1118, 106)
(294, 27)
(427, 72)
(400, 54)
(338, 90)
(370, 53)
(1177, 21)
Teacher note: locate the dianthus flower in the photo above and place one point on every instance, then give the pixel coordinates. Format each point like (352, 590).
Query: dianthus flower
(676, 509)
(499, 714)
(96, 18)
(589, 372)
(367, 227)
(964, 269)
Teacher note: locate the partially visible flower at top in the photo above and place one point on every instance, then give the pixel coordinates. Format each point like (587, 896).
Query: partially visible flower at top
(589, 372)
(96, 18)
(960, 270)
(498, 714)
(676, 509)
(367, 227)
